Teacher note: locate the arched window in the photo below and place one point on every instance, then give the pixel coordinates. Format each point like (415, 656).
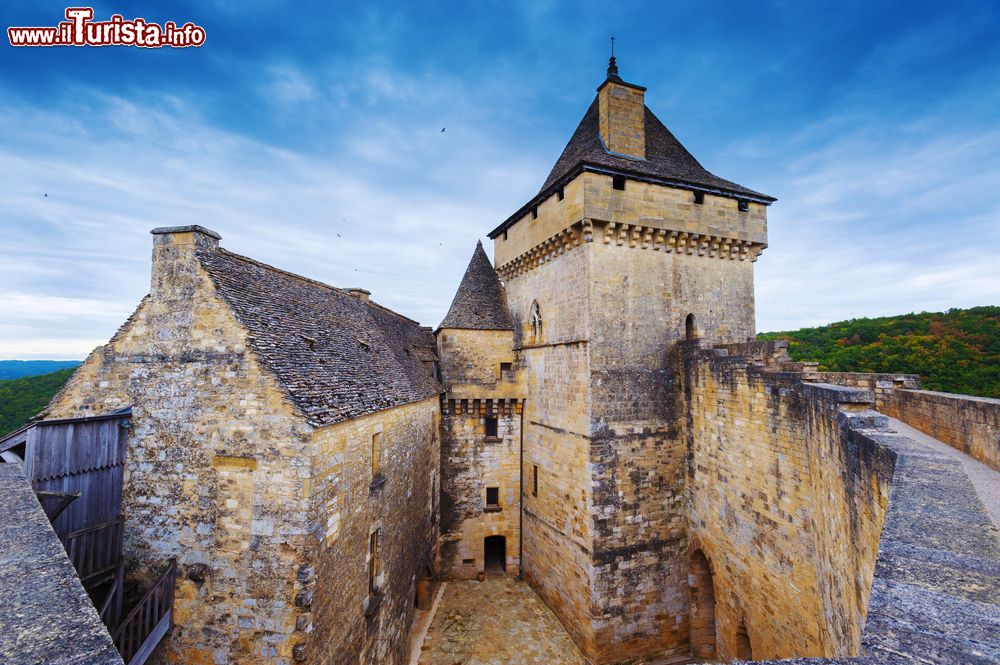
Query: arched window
(536, 322)
(689, 329)
(702, 619)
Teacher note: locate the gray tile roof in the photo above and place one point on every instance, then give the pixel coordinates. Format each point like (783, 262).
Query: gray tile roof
(45, 614)
(480, 302)
(667, 161)
(338, 356)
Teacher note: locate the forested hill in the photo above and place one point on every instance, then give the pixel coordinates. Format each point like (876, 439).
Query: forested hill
(20, 399)
(957, 351)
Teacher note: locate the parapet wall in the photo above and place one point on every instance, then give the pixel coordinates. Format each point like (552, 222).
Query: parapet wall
(786, 506)
(970, 424)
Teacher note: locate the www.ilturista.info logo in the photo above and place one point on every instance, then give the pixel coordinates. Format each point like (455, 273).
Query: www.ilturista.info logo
(81, 30)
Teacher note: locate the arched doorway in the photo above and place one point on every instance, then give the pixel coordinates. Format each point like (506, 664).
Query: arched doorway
(495, 555)
(702, 619)
(743, 649)
(689, 330)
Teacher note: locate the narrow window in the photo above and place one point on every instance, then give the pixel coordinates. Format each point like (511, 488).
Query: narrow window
(468, 562)
(505, 234)
(534, 480)
(492, 498)
(534, 213)
(618, 182)
(376, 454)
(491, 426)
(373, 562)
(561, 194)
(689, 330)
(699, 198)
(536, 322)
(744, 205)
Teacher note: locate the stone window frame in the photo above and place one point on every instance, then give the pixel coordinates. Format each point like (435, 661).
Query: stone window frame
(536, 322)
(375, 571)
(492, 507)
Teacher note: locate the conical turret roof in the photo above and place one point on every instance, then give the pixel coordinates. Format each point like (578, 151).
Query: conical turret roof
(481, 302)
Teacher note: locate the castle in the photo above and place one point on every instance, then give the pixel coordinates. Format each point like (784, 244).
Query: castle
(592, 414)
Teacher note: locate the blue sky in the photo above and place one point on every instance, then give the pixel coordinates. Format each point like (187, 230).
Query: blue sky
(874, 123)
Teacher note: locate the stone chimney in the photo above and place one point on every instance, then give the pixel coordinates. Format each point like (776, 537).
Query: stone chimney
(360, 294)
(622, 110)
(174, 260)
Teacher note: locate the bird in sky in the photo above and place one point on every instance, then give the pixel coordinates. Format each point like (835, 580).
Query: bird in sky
(442, 129)
(46, 195)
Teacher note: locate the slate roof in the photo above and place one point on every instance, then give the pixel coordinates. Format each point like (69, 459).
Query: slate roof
(480, 302)
(45, 615)
(667, 162)
(338, 357)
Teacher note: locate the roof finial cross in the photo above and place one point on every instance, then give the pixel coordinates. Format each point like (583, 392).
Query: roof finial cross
(612, 63)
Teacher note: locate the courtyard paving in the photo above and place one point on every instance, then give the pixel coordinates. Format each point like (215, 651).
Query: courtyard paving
(499, 621)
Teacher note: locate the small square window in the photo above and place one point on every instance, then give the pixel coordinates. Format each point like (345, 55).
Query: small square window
(561, 194)
(493, 498)
(699, 198)
(618, 182)
(491, 426)
(744, 205)
(506, 368)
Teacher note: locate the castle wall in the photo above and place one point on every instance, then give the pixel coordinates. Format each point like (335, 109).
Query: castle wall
(639, 299)
(217, 470)
(970, 424)
(349, 625)
(470, 463)
(784, 504)
(881, 385)
(556, 523)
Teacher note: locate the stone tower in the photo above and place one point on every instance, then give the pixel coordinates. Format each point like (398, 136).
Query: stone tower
(629, 247)
(480, 429)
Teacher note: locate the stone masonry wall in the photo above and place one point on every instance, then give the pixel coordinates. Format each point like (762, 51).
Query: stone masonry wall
(477, 389)
(556, 524)
(881, 385)
(784, 504)
(970, 424)
(218, 466)
(640, 298)
(346, 624)
(470, 463)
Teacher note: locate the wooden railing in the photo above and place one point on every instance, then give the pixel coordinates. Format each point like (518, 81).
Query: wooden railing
(150, 619)
(95, 551)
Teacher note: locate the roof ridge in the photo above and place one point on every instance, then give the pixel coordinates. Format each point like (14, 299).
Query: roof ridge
(337, 289)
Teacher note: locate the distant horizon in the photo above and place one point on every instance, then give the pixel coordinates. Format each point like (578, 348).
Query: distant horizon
(759, 332)
(373, 146)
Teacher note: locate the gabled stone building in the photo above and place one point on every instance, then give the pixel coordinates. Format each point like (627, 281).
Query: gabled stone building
(285, 450)
(592, 415)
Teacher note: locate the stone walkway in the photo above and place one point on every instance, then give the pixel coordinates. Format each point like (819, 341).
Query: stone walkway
(985, 480)
(496, 622)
